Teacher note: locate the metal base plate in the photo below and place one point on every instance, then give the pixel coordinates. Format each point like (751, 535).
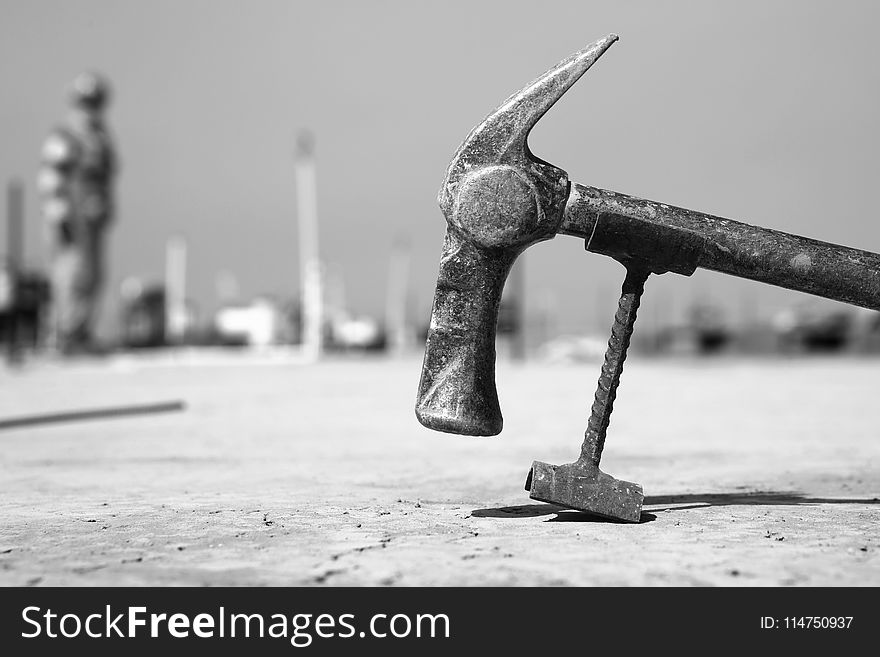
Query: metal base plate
(585, 488)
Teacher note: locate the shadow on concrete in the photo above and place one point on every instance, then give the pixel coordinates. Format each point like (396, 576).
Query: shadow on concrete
(562, 514)
(669, 503)
(757, 498)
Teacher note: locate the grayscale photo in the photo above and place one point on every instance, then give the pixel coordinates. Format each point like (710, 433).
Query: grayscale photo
(338, 294)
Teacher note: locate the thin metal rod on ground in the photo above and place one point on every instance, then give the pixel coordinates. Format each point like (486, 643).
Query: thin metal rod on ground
(91, 414)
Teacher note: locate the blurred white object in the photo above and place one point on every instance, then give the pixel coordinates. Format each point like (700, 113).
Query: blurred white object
(131, 288)
(58, 151)
(5, 288)
(573, 348)
(358, 333)
(311, 274)
(175, 290)
(258, 324)
(785, 320)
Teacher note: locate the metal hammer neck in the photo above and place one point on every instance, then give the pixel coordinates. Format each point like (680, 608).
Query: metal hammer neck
(668, 238)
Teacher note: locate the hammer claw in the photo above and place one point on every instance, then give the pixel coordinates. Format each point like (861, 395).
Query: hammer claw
(501, 136)
(498, 199)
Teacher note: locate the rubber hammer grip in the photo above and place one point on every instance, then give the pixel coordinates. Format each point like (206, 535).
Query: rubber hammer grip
(457, 391)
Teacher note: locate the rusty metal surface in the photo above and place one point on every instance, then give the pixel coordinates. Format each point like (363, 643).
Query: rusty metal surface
(581, 485)
(731, 247)
(585, 488)
(498, 199)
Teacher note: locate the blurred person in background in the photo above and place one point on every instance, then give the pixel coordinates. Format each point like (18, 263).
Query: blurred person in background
(75, 179)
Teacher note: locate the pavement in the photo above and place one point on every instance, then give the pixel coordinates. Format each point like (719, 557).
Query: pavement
(277, 472)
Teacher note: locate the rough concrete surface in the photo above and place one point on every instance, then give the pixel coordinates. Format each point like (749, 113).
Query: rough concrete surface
(755, 473)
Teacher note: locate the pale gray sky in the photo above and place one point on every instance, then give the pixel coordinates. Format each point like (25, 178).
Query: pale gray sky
(766, 112)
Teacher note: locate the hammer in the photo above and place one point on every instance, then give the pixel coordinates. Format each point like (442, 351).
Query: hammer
(499, 199)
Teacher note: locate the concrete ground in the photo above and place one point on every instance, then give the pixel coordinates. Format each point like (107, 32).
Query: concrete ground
(286, 474)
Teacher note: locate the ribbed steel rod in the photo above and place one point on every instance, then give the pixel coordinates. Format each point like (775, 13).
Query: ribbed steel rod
(612, 368)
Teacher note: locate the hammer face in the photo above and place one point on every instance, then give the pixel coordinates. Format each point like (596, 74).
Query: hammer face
(584, 487)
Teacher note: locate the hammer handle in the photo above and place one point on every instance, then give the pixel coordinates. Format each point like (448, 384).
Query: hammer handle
(457, 391)
(677, 239)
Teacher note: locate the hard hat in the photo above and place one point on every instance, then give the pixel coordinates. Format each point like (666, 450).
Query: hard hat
(90, 90)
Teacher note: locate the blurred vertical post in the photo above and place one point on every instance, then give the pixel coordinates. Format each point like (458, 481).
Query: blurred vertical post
(15, 257)
(175, 290)
(748, 311)
(548, 313)
(15, 224)
(309, 254)
(397, 296)
(657, 320)
(335, 304)
(517, 298)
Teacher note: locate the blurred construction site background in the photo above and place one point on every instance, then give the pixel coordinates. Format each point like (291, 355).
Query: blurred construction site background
(279, 163)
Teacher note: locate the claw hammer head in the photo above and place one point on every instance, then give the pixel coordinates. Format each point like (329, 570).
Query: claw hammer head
(498, 199)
